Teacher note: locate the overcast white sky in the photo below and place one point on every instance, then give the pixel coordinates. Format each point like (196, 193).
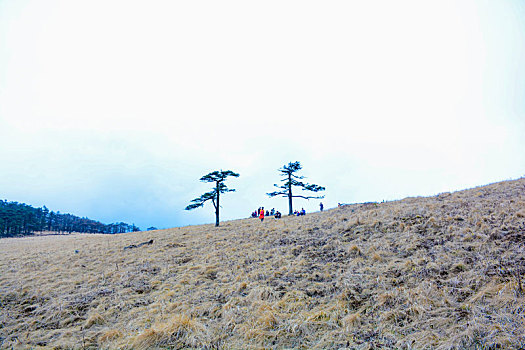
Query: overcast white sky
(114, 109)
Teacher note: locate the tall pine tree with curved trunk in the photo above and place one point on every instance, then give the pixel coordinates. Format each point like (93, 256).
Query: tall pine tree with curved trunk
(214, 195)
(290, 180)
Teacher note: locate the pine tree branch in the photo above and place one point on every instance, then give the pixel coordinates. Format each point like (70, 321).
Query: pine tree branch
(308, 197)
(199, 202)
(273, 194)
(194, 206)
(313, 188)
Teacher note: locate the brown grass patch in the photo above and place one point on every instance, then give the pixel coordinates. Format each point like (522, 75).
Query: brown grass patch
(440, 272)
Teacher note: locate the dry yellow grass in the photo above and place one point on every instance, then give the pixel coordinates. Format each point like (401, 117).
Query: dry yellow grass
(443, 272)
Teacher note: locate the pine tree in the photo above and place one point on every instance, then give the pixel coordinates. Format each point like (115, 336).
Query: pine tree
(214, 195)
(290, 180)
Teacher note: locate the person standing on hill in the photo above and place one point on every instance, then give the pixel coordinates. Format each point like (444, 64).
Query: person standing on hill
(261, 214)
(321, 206)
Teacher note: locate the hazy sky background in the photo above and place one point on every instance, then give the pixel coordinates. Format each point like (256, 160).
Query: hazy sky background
(114, 109)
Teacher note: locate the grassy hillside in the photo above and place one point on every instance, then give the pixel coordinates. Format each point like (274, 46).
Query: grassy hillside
(442, 272)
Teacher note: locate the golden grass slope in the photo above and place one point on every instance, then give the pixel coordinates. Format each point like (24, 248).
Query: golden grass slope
(443, 272)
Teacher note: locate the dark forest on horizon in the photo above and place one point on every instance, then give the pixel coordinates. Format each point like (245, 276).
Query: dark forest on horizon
(19, 219)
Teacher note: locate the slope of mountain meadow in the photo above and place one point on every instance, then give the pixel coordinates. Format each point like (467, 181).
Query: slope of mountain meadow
(443, 272)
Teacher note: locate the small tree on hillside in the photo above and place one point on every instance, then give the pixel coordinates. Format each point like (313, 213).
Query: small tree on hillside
(290, 180)
(218, 177)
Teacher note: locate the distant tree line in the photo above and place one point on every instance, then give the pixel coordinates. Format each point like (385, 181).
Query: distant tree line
(19, 219)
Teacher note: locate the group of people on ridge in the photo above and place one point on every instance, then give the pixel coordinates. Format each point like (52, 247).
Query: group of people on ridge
(260, 213)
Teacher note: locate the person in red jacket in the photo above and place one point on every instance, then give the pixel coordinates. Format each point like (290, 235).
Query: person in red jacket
(261, 214)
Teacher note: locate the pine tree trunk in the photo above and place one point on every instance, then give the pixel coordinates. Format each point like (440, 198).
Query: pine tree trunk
(290, 194)
(217, 208)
